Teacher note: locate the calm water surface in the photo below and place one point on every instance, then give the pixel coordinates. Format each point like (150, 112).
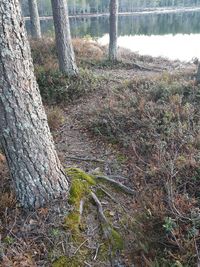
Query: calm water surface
(173, 35)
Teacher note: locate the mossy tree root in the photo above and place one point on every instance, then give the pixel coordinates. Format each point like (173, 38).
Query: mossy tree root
(113, 237)
(103, 220)
(81, 187)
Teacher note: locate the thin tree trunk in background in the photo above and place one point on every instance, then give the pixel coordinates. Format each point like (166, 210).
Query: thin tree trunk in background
(65, 50)
(198, 74)
(24, 133)
(113, 30)
(35, 19)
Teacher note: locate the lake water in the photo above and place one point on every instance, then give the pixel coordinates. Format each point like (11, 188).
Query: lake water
(171, 35)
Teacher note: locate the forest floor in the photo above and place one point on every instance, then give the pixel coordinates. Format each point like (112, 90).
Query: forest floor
(136, 121)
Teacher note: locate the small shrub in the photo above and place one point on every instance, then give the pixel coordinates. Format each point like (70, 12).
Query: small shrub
(44, 52)
(88, 49)
(57, 88)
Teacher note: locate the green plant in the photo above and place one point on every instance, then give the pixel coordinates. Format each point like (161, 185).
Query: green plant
(56, 87)
(9, 240)
(169, 224)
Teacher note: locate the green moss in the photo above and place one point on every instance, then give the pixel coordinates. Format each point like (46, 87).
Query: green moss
(114, 238)
(80, 185)
(8, 240)
(117, 240)
(100, 193)
(64, 261)
(80, 188)
(113, 243)
(61, 262)
(75, 173)
(72, 221)
(103, 252)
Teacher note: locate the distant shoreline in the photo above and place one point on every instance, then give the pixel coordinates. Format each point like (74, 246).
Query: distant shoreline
(141, 12)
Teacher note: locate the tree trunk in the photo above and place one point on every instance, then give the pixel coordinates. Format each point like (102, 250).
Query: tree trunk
(197, 78)
(24, 133)
(113, 30)
(35, 19)
(65, 50)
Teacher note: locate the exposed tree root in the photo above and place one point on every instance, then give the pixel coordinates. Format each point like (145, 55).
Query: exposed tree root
(81, 208)
(103, 220)
(115, 241)
(117, 184)
(84, 159)
(107, 193)
(82, 187)
(137, 66)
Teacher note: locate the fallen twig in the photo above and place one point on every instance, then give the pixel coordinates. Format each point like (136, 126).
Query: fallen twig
(89, 265)
(96, 252)
(80, 246)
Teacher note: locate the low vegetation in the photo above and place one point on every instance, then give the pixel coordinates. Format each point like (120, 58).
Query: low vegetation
(152, 123)
(55, 87)
(155, 125)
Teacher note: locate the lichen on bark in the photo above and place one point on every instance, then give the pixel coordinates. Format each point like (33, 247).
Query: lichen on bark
(24, 133)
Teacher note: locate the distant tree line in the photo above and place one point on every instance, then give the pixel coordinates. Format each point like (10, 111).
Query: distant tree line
(102, 6)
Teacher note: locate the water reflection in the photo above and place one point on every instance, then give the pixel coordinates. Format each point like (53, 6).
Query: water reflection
(143, 24)
(144, 31)
(181, 46)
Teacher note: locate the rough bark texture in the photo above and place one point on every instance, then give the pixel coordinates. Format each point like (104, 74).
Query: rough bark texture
(113, 30)
(198, 74)
(35, 19)
(65, 50)
(24, 133)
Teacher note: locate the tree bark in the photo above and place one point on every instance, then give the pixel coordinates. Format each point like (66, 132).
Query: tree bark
(113, 30)
(65, 50)
(197, 77)
(24, 133)
(35, 19)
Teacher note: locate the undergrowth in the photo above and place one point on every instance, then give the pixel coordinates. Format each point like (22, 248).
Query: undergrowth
(155, 124)
(55, 87)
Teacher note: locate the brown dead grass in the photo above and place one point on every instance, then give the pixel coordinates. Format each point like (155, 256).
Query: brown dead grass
(44, 52)
(88, 49)
(55, 116)
(7, 198)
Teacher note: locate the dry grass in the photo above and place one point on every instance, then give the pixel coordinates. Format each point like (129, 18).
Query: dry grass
(88, 49)
(7, 198)
(56, 117)
(44, 54)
